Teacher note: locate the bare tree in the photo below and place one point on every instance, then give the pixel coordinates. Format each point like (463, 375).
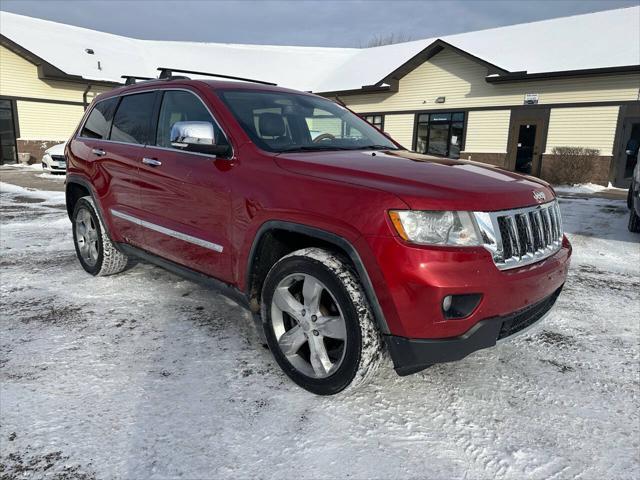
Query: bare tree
(387, 39)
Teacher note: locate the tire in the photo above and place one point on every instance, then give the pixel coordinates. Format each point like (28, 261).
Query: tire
(94, 249)
(353, 348)
(634, 222)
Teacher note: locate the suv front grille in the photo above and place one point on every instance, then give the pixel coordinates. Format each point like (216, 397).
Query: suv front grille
(522, 236)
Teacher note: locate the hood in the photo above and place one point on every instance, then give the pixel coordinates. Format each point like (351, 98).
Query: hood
(423, 182)
(56, 149)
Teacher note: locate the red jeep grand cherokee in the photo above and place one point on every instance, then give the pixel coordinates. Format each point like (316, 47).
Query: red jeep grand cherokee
(340, 241)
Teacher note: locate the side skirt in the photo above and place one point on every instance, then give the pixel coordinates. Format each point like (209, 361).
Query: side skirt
(214, 284)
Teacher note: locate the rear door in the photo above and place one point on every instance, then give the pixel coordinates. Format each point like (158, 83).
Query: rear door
(185, 197)
(119, 163)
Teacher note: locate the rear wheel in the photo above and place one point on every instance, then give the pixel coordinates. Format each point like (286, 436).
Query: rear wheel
(318, 323)
(634, 222)
(94, 249)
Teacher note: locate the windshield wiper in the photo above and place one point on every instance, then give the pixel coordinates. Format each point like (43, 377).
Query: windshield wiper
(375, 147)
(312, 149)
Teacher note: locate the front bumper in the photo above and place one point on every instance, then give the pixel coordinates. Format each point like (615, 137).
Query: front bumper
(412, 355)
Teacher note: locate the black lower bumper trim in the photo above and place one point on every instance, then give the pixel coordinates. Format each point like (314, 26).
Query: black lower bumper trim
(412, 355)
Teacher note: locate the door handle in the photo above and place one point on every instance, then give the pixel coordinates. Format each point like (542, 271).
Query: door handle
(151, 161)
(99, 152)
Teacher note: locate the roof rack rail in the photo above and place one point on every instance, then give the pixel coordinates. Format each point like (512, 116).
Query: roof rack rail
(167, 74)
(132, 79)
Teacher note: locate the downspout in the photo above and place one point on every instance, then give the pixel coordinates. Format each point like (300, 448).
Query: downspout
(84, 96)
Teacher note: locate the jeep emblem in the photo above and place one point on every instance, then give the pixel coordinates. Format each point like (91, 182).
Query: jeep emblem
(539, 196)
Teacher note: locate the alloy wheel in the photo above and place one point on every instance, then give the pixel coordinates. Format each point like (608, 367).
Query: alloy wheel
(308, 325)
(87, 237)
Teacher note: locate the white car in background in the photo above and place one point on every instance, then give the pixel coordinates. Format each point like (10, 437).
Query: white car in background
(53, 160)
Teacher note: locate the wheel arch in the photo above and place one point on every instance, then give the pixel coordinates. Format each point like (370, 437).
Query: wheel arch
(276, 238)
(77, 187)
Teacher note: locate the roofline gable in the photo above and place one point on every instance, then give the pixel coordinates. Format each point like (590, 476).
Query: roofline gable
(46, 70)
(430, 51)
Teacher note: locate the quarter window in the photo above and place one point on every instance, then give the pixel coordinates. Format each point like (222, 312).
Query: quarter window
(99, 121)
(181, 106)
(132, 121)
(440, 133)
(375, 120)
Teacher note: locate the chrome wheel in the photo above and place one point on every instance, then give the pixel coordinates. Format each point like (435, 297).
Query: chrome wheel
(308, 325)
(87, 237)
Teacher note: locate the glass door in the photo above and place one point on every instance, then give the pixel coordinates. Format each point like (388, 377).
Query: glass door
(8, 147)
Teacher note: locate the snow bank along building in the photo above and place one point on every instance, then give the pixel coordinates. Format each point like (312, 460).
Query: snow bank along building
(508, 96)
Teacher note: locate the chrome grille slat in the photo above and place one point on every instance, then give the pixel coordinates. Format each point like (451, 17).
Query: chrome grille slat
(521, 236)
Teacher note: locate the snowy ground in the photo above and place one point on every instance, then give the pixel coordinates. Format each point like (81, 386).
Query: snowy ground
(145, 375)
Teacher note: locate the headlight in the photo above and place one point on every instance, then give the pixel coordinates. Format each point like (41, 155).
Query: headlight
(435, 227)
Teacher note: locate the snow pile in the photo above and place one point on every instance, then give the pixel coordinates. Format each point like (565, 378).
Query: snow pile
(147, 375)
(585, 188)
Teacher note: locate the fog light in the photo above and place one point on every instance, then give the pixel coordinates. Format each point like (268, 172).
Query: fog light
(446, 303)
(460, 306)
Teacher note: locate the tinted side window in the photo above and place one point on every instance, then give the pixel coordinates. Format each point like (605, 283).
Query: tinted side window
(99, 121)
(132, 121)
(180, 106)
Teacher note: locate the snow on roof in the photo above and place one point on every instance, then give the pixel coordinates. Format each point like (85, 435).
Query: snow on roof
(560, 44)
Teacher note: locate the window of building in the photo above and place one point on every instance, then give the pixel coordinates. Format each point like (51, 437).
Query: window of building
(375, 120)
(181, 106)
(440, 133)
(99, 122)
(132, 121)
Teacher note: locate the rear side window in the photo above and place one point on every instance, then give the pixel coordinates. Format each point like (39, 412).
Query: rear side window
(132, 121)
(180, 106)
(99, 121)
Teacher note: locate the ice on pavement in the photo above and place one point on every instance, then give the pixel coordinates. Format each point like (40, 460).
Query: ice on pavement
(146, 375)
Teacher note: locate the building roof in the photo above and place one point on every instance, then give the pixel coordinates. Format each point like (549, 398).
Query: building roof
(580, 42)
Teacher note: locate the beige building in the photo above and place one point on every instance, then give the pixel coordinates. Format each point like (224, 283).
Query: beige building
(449, 104)
(539, 98)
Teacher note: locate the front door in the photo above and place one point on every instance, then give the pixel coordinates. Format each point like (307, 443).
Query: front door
(627, 152)
(8, 150)
(527, 151)
(185, 197)
(527, 137)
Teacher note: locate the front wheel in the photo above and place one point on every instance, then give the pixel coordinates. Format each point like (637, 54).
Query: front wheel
(318, 323)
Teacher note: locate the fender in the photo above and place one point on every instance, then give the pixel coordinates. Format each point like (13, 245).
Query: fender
(80, 180)
(330, 238)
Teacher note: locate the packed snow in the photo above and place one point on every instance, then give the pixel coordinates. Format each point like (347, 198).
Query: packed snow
(146, 375)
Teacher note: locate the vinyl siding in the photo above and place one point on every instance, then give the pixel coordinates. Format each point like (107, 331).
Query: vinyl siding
(400, 127)
(588, 127)
(19, 78)
(487, 131)
(462, 82)
(41, 121)
(47, 121)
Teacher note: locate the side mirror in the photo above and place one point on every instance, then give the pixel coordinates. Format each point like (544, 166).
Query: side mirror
(196, 137)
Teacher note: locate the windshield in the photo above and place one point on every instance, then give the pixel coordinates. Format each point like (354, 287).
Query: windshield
(288, 122)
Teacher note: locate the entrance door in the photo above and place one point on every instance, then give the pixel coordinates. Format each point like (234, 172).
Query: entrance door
(526, 151)
(628, 151)
(527, 139)
(8, 147)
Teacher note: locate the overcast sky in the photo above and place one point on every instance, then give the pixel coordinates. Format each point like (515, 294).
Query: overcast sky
(320, 23)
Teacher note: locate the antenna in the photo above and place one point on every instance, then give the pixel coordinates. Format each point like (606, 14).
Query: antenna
(167, 74)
